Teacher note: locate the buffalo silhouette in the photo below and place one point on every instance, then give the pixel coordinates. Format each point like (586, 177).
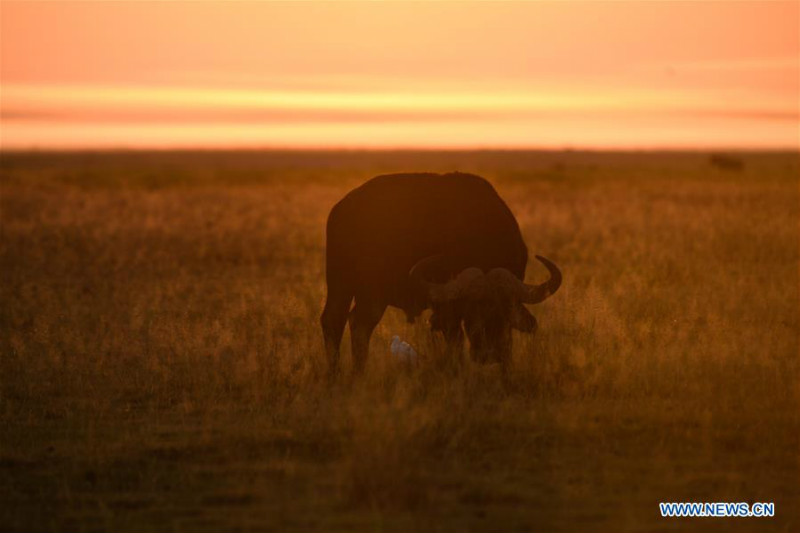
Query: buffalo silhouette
(416, 241)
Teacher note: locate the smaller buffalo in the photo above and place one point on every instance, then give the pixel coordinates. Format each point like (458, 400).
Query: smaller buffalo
(416, 241)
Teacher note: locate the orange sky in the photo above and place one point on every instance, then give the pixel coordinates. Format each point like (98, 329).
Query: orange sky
(455, 74)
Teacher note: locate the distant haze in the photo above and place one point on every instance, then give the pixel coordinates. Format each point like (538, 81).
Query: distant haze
(400, 75)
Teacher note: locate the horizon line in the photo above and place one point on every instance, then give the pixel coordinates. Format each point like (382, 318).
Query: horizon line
(410, 149)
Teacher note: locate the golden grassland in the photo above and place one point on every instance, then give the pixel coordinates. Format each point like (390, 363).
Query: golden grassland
(161, 362)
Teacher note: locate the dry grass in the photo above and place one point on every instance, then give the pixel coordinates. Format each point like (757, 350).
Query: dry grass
(160, 355)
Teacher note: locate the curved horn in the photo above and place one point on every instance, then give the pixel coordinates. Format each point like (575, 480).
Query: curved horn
(503, 279)
(442, 292)
(533, 294)
(525, 293)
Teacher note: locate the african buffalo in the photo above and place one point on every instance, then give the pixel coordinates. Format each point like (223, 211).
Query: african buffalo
(415, 241)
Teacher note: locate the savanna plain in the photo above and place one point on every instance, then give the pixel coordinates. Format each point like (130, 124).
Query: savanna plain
(162, 368)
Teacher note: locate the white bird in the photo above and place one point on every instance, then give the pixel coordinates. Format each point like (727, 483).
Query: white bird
(403, 352)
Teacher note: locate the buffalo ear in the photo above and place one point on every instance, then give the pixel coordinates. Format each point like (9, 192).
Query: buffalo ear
(522, 320)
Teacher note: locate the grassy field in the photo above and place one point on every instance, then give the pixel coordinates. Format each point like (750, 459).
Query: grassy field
(161, 362)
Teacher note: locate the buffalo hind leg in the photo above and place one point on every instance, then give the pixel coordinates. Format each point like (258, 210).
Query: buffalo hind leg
(333, 319)
(363, 319)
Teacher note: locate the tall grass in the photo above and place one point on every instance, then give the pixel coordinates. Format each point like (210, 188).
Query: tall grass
(161, 363)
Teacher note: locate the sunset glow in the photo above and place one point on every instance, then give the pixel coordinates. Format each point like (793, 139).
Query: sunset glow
(554, 75)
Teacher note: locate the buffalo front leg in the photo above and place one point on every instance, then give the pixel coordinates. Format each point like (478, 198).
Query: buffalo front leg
(363, 319)
(449, 324)
(454, 343)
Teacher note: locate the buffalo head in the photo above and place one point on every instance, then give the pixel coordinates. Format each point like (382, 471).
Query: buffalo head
(489, 304)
